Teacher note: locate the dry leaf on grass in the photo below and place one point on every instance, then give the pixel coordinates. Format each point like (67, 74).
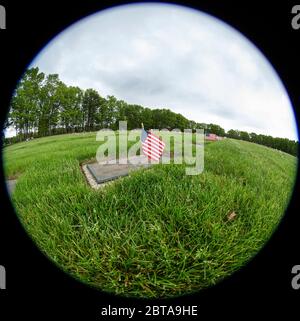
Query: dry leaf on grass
(231, 216)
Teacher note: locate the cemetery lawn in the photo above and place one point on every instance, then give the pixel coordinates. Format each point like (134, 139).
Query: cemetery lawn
(158, 232)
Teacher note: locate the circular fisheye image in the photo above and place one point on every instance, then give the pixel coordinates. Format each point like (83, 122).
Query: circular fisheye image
(150, 150)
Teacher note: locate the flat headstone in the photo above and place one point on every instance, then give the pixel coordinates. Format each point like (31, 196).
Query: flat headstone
(100, 173)
(104, 172)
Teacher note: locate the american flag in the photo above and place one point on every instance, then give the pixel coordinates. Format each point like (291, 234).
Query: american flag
(152, 145)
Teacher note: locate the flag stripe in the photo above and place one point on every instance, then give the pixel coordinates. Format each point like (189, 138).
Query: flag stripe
(154, 137)
(158, 145)
(151, 156)
(152, 146)
(151, 151)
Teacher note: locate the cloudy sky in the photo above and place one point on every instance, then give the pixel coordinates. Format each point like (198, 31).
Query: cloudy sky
(166, 56)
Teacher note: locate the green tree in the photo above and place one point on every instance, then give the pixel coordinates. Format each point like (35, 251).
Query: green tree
(215, 129)
(111, 114)
(233, 134)
(26, 101)
(90, 106)
(71, 112)
(244, 136)
(135, 116)
(49, 104)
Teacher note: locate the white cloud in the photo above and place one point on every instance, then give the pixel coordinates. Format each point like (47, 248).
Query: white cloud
(169, 56)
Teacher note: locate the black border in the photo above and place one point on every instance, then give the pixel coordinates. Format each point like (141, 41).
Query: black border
(37, 289)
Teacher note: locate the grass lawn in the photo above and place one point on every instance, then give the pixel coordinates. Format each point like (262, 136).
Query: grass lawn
(158, 232)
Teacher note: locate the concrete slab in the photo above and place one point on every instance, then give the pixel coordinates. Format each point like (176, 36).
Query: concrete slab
(103, 172)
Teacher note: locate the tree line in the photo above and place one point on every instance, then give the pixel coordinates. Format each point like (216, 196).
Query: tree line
(283, 144)
(43, 105)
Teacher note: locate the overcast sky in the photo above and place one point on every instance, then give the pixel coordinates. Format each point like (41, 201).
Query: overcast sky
(166, 56)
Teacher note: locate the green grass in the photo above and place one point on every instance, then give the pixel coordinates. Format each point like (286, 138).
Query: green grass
(158, 232)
